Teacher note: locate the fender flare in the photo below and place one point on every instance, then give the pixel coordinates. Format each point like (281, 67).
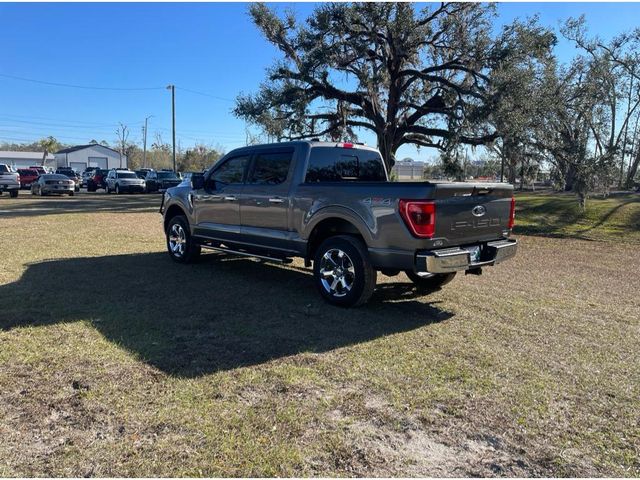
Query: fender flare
(342, 213)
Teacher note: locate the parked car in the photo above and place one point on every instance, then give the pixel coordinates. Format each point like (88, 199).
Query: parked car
(161, 180)
(71, 174)
(86, 175)
(27, 177)
(38, 168)
(9, 180)
(53, 183)
(332, 205)
(97, 180)
(121, 181)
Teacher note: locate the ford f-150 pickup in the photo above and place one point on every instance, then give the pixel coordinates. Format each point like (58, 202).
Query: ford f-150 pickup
(333, 205)
(9, 180)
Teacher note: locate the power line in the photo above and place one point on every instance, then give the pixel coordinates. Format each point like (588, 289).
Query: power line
(85, 87)
(57, 125)
(117, 89)
(205, 94)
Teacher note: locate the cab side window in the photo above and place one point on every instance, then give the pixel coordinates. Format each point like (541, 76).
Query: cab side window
(271, 168)
(230, 172)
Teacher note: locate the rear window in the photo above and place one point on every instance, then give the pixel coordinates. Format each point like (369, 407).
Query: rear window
(334, 164)
(127, 175)
(5, 168)
(167, 175)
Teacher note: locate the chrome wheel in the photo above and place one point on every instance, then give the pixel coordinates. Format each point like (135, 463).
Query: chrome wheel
(337, 273)
(177, 240)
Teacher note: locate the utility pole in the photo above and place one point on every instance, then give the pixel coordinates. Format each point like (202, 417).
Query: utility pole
(173, 121)
(144, 142)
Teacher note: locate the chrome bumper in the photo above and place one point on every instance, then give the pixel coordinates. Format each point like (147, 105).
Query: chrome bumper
(457, 258)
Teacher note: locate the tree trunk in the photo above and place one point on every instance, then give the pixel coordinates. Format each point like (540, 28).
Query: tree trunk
(569, 178)
(633, 169)
(582, 201)
(387, 150)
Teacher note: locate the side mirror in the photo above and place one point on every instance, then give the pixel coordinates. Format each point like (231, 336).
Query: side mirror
(197, 181)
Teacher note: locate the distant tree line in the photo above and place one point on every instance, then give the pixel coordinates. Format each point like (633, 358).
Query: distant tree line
(440, 78)
(158, 155)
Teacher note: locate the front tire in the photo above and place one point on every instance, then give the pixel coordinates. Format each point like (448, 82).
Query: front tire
(430, 282)
(343, 272)
(180, 244)
(117, 189)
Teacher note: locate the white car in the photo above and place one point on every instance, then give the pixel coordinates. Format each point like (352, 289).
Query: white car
(9, 180)
(121, 181)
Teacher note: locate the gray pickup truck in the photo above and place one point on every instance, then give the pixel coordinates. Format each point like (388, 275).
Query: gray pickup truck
(9, 180)
(333, 205)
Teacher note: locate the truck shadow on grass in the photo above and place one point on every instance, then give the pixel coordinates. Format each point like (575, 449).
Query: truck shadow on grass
(220, 314)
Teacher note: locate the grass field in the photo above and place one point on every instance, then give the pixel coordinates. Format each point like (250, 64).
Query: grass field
(558, 215)
(115, 361)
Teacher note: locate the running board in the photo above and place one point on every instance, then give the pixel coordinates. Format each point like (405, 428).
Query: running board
(246, 254)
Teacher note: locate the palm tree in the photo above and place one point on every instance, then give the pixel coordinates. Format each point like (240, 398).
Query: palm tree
(48, 145)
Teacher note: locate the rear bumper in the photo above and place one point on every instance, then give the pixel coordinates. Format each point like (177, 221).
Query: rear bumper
(63, 190)
(454, 259)
(132, 188)
(8, 187)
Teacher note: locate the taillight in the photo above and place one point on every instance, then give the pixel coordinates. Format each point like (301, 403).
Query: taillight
(346, 145)
(512, 214)
(420, 217)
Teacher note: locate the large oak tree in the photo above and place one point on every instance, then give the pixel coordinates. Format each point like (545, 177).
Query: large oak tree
(410, 77)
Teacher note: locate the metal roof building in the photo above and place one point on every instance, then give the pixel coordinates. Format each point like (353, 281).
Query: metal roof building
(80, 157)
(26, 159)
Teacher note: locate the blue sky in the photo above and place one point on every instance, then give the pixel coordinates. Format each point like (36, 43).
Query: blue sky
(209, 48)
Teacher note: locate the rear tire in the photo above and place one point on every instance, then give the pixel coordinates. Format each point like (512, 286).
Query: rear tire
(13, 193)
(180, 244)
(343, 272)
(432, 282)
(71, 194)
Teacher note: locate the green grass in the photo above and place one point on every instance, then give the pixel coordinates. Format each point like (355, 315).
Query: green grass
(616, 218)
(115, 361)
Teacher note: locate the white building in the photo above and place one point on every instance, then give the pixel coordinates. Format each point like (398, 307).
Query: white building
(94, 155)
(26, 159)
(408, 169)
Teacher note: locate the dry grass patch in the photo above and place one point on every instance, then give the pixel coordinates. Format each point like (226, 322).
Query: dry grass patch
(114, 361)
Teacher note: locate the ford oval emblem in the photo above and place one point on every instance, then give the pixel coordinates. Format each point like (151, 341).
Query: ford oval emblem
(478, 211)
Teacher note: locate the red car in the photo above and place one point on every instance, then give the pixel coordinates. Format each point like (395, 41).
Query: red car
(97, 180)
(27, 177)
(39, 169)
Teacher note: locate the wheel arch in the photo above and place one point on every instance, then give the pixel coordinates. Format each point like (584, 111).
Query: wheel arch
(330, 224)
(173, 211)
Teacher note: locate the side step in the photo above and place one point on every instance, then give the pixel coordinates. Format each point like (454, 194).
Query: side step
(283, 260)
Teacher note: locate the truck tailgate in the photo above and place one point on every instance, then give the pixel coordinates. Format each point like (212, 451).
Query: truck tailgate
(471, 212)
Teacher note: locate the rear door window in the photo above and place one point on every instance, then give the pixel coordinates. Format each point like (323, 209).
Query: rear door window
(335, 164)
(270, 168)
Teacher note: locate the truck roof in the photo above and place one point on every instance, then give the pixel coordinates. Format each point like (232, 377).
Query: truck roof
(310, 143)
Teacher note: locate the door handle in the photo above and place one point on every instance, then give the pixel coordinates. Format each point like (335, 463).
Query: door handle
(230, 198)
(203, 197)
(276, 200)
